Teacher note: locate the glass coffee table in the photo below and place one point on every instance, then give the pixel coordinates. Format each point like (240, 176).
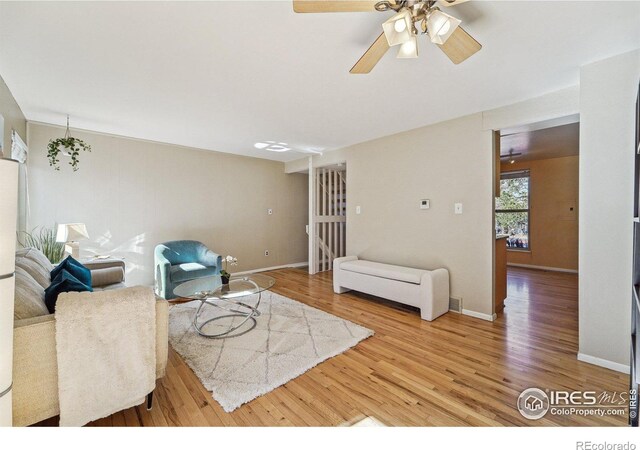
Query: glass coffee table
(228, 297)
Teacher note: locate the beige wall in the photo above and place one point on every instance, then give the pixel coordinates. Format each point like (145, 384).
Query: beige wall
(553, 225)
(447, 163)
(135, 194)
(13, 118)
(608, 92)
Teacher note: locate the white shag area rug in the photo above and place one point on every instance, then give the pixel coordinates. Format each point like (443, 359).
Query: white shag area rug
(289, 339)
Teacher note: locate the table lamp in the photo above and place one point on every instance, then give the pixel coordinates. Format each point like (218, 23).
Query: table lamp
(70, 234)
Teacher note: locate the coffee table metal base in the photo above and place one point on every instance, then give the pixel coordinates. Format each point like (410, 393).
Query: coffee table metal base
(239, 310)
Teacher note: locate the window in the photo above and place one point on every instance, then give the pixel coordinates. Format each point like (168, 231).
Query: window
(512, 209)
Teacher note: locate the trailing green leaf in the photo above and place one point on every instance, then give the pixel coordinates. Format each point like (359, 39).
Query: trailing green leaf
(67, 145)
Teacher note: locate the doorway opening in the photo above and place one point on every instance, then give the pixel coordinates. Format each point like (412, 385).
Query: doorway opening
(536, 216)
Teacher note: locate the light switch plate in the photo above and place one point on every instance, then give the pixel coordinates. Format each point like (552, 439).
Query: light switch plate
(358, 210)
(424, 203)
(457, 208)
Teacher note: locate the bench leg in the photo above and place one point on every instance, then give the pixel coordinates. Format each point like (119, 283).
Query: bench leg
(340, 289)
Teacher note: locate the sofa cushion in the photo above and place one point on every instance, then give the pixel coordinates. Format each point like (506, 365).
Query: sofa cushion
(33, 268)
(190, 271)
(37, 256)
(63, 282)
(75, 268)
(29, 297)
(406, 274)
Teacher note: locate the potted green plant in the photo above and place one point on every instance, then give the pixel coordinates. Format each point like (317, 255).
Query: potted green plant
(68, 146)
(224, 273)
(45, 241)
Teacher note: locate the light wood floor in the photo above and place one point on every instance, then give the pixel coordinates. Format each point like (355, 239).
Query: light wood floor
(454, 371)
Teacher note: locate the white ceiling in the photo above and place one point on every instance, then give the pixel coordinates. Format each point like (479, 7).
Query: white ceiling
(225, 75)
(554, 142)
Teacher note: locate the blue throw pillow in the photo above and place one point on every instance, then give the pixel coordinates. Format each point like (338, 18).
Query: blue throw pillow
(64, 282)
(75, 268)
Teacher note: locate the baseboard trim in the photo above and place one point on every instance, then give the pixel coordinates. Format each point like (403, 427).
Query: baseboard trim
(477, 315)
(552, 269)
(604, 363)
(266, 269)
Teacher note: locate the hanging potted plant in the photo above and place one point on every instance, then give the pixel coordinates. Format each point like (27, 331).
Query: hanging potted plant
(67, 146)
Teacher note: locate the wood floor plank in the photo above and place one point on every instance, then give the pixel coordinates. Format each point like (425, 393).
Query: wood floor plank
(454, 371)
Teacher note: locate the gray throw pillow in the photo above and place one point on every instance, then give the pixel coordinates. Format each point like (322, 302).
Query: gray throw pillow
(29, 297)
(33, 268)
(37, 256)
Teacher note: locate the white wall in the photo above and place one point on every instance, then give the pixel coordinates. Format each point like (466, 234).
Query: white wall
(607, 113)
(135, 194)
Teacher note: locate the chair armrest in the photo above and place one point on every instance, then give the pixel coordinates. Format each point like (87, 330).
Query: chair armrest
(35, 370)
(211, 258)
(161, 269)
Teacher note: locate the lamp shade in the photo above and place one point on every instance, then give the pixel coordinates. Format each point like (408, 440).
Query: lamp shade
(409, 49)
(441, 26)
(398, 29)
(68, 232)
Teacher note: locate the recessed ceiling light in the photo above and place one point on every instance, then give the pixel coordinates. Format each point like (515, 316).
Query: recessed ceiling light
(272, 146)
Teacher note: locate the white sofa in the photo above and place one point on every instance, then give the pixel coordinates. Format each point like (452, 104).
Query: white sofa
(424, 289)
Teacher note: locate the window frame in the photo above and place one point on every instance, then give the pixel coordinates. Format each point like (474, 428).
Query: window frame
(521, 173)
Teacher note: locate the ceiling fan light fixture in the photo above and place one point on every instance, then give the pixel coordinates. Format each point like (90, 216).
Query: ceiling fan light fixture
(441, 26)
(398, 28)
(409, 49)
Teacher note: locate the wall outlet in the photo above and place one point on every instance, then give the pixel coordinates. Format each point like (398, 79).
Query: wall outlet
(457, 208)
(269, 211)
(266, 253)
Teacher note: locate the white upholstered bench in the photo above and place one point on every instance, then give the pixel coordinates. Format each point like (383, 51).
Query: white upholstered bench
(424, 289)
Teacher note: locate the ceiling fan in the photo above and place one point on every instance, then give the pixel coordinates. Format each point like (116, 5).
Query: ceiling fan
(402, 29)
(510, 155)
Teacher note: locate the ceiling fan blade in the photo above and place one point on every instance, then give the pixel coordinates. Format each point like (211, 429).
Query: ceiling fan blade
(509, 155)
(460, 46)
(452, 2)
(371, 56)
(321, 6)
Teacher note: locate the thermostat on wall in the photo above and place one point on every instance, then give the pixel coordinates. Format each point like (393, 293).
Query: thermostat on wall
(424, 204)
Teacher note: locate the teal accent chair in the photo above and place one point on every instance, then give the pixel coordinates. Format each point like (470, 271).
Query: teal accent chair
(180, 261)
